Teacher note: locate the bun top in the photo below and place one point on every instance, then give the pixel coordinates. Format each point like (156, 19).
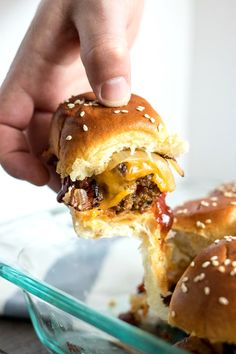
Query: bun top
(203, 302)
(212, 217)
(85, 134)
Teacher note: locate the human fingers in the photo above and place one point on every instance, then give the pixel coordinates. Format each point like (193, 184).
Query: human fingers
(104, 44)
(15, 155)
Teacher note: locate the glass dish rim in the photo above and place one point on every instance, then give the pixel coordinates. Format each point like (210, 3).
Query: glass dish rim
(126, 333)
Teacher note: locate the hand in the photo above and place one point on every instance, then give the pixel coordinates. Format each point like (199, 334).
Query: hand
(70, 47)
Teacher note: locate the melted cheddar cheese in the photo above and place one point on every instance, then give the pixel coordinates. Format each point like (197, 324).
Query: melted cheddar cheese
(117, 186)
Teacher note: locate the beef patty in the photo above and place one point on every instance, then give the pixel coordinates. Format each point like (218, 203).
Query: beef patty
(145, 192)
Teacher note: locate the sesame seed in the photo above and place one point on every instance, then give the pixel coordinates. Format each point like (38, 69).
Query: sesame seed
(204, 203)
(185, 279)
(234, 263)
(199, 277)
(208, 221)
(85, 128)
(214, 199)
(116, 111)
(70, 105)
(207, 290)
(140, 108)
(69, 137)
(214, 258)
(95, 103)
(146, 116)
(82, 113)
(228, 194)
(192, 264)
(214, 204)
(233, 203)
(124, 111)
(173, 313)
(221, 269)
(175, 219)
(217, 241)
(233, 272)
(182, 211)
(79, 101)
(206, 264)
(223, 301)
(184, 288)
(200, 224)
(152, 120)
(227, 261)
(228, 238)
(215, 263)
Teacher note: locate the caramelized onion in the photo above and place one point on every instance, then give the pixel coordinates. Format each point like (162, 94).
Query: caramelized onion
(176, 167)
(142, 163)
(124, 156)
(81, 199)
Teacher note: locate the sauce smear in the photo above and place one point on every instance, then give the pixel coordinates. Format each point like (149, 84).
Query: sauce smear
(163, 213)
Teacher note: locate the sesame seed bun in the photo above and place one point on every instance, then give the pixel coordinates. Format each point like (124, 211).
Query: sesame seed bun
(203, 302)
(186, 240)
(85, 135)
(198, 223)
(200, 346)
(211, 217)
(86, 138)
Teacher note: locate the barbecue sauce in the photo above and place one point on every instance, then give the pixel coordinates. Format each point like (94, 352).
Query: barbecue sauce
(163, 213)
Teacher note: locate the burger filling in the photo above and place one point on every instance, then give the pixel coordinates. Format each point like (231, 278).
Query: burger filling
(130, 183)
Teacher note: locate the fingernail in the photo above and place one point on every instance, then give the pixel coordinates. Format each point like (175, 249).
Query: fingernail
(115, 92)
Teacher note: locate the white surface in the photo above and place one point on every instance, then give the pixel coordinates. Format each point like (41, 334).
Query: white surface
(15, 17)
(19, 198)
(161, 59)
(31, 231)
(212, 106)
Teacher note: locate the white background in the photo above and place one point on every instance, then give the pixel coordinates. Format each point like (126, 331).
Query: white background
(183, 62)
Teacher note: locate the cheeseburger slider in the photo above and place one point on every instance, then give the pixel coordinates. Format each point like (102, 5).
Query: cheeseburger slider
(115, 166)
(203, 303)
(197, 223)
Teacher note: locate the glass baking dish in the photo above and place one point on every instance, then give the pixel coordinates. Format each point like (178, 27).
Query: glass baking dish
(74, 289)
(77, 322)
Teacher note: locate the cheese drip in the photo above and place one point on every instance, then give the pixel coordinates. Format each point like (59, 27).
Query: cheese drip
(117, 185)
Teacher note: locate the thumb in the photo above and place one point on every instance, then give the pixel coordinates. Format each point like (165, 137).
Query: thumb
(104, 49)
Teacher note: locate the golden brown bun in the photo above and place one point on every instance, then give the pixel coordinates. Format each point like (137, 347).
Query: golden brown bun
(203, 302)
(211, 217)
(96, 224)
(200, 346)
(85, 153)
(84, 137)
(133, 224)
(166, 262)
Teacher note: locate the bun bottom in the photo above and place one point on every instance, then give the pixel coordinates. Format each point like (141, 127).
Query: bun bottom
(96, 224)
(133, 224)
(165, 258)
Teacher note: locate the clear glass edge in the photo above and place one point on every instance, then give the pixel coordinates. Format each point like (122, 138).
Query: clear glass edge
(126, 333)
